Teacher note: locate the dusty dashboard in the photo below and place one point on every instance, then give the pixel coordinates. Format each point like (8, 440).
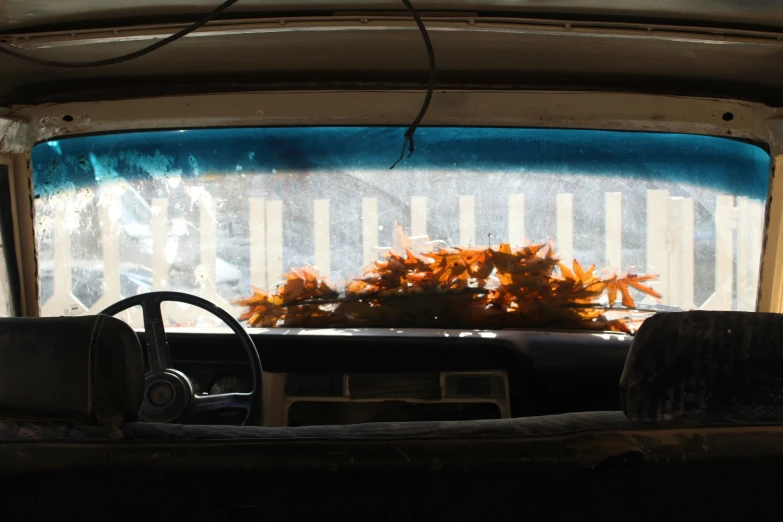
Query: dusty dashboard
(315, 377)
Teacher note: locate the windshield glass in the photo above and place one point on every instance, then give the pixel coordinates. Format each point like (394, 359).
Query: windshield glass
(480, 228)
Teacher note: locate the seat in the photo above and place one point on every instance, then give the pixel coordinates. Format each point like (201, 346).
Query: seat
(707, 366)
(69, 374)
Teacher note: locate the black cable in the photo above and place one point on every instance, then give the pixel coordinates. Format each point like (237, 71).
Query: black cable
(124, 58)
(408, 137)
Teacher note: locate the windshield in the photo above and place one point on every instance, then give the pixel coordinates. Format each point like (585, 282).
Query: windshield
(479, 228)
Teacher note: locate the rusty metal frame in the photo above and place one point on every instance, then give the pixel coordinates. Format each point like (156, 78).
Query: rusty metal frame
(20, 178)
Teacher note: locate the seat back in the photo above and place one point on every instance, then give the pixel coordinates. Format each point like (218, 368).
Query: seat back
(85, 370)
(717, 365)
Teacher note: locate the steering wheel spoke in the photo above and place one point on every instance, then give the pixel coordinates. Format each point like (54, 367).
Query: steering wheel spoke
(155, 333)
(169, 393)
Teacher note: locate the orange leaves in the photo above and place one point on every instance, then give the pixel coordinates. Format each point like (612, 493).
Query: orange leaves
(622, 283)
(635, 281)
(301, 284)
(455, 288)
(304, 283)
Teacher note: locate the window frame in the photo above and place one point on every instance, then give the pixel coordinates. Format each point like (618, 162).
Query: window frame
(754, 122)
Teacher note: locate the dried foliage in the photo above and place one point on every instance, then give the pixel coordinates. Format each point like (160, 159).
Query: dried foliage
(526, 287)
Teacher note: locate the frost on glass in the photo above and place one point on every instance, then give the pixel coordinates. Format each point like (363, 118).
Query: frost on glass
(211, 212)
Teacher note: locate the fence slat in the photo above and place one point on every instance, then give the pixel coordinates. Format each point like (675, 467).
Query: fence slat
(657, 241)
(681, 253)
(722, 298)
(613, 227)
(321, 231)
(688, 255)
(208, 219)
(205, 274)
(516, 219)
(208, 235)
(467, 220)
(62, 254)
(418, 216)
(418, 232)
(564, 243)
(274, 242)
(724, 250)
(671, 291)
(257, 228)
(369, 230)
(110, 245)
(160, 265)
(62, 302)
(746, 293)
(750, 230)
(110, 241)
(756, 219)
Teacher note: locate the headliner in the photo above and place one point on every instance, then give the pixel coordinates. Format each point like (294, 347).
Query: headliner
(728, 49)
(67, 14)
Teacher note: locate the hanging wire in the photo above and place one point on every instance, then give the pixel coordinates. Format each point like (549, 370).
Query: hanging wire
(4, 49)
(408, 140)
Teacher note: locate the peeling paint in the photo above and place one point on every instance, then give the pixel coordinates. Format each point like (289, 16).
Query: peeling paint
(16, 137)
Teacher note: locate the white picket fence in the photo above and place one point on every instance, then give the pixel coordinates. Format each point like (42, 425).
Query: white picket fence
(669, 249)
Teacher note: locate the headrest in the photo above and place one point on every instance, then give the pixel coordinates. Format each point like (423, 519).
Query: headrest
(85, 369)
(711, 365)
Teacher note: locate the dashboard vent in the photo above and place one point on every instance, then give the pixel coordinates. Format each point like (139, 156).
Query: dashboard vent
(474, 386)
(315, 385)
(395, 385)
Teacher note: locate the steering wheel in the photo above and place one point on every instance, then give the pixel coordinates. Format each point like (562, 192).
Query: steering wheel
(168, 393)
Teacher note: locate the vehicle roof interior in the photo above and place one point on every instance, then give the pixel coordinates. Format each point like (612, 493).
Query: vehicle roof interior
(39, 13)
(693, 429)
(696, 47)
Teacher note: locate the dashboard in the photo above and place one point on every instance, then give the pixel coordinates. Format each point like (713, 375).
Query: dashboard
(316, 377)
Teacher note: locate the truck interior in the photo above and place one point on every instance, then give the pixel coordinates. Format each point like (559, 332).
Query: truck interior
(400, 259)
